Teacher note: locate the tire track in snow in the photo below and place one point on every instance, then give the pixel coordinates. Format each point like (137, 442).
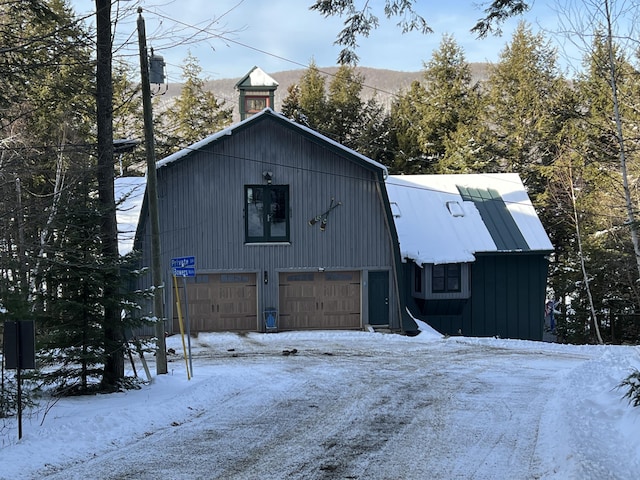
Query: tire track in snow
(434, 412)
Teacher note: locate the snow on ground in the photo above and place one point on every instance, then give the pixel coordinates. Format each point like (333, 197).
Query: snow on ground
(355, 405)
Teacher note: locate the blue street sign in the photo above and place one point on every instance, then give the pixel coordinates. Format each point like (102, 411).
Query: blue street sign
(183, 262)
(184, 272)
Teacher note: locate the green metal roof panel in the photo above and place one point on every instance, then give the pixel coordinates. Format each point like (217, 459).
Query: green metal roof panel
(501, 225)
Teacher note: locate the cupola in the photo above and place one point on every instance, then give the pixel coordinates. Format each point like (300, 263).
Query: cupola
(256, 92)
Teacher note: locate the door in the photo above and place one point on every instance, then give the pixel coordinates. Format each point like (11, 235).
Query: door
(379, 298)
(220, 302)
(320, 300)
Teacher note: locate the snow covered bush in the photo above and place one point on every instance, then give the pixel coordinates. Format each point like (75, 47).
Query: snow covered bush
(632, 385)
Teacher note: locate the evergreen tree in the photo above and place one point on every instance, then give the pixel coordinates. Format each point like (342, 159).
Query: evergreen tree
(291, 104)
(128, 118)
(339, 112)
(44, 127)
(344, 106)
(72, 339)
(195, 113)
(406, 125)
(519, 125)
(313, 99)
(53, 269)
(519, 89)
(374, 138)
(429, 115)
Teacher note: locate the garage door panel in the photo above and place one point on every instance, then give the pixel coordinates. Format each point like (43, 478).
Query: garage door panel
(320, 300)
(221, 302)
(342, 321)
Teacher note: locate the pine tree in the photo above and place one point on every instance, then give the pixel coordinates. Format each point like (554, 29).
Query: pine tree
(373, 138)
(406, 125)
(344, 106)
(47, 106)
(339, 112)
(291, 104)
(128, 118)
(519, 125)
(195, 113)
(313, 99)
(427, 117)
(47, 153)
(72, 339)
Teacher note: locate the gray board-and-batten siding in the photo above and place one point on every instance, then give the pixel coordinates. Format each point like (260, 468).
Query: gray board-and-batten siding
(201, 203)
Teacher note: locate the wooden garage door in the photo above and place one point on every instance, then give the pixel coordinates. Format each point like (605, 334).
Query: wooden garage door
(221, 302)
(320, 300)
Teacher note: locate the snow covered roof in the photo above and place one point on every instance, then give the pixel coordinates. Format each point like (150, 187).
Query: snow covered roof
(450, 218)
(129, 194)
(254, 118)
(256, 78)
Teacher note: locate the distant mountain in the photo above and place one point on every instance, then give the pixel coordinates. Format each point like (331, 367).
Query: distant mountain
(384, 84)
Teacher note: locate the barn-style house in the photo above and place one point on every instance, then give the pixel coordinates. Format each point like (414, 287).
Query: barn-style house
(290, 230)
(278, 218)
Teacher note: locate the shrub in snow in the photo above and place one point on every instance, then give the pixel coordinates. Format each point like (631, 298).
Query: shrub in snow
(632, 385)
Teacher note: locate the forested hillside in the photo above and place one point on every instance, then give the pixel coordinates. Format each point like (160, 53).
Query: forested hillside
(383, 84)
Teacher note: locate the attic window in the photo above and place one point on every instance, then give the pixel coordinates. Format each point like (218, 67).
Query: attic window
(455, 209)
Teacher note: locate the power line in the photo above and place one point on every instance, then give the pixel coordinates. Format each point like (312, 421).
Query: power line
(215, 35)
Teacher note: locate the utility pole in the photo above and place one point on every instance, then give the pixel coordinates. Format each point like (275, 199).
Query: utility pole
(152, 199)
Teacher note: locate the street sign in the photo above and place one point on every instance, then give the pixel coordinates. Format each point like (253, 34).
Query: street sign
(19, 345)
(184, 272)
(183, 262)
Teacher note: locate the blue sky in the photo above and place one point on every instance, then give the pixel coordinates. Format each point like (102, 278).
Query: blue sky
(281, 35)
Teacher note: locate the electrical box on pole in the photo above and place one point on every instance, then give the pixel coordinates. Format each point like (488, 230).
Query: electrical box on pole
(156, 69)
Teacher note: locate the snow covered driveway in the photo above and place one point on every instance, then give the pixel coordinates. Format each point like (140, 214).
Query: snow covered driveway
(345, 406)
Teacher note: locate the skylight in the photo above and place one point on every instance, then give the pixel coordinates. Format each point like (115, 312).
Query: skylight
(455, 209)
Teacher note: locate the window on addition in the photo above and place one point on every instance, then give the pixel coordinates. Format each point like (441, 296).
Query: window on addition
(446, 278)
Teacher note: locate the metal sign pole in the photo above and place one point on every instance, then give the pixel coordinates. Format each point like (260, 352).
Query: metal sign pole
(185, 267)
(19, 379)
(19, 353)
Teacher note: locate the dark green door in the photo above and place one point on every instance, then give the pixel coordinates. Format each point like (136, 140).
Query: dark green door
(379, 298)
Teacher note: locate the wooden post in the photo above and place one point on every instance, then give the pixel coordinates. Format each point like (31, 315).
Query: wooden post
(152, 200)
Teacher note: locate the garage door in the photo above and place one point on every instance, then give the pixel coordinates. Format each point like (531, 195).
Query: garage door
(221, 302)
(320, 300)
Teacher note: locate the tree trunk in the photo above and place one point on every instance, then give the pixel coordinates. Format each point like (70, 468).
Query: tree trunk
(583, 267)
(114, 363)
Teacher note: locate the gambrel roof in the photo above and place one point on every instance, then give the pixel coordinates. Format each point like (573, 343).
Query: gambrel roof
(450, 218)
(131, 191)
(268, 113)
